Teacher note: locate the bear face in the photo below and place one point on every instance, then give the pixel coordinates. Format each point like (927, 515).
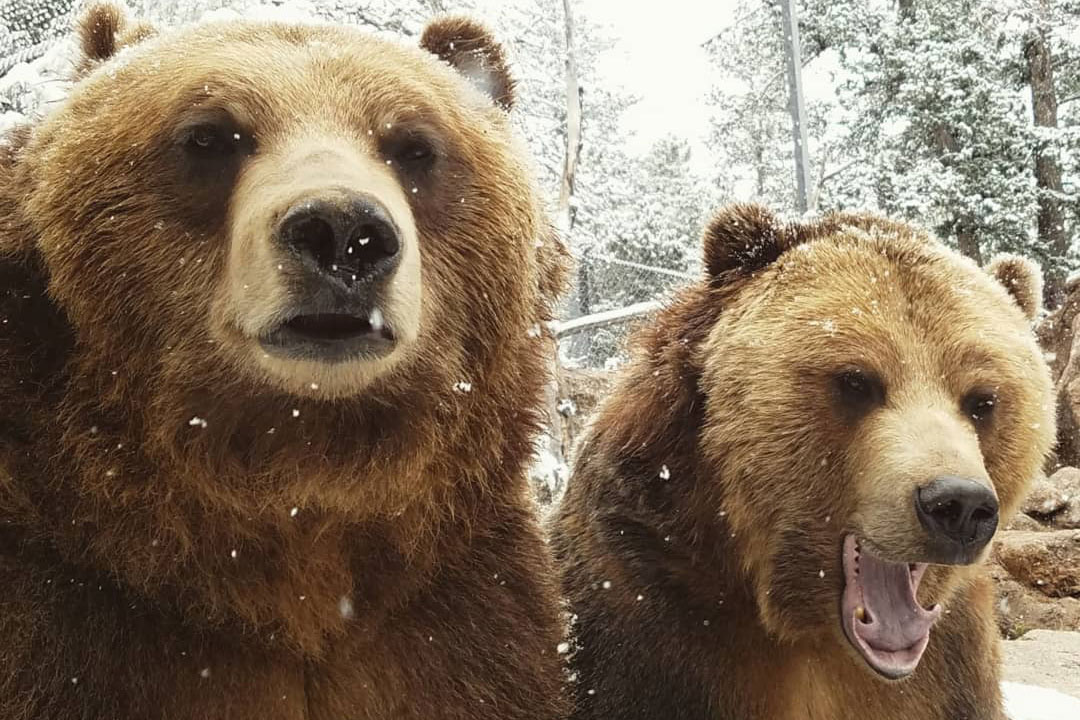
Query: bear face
(875, 406)
(274, 289)
(780, 509)
(324, 238)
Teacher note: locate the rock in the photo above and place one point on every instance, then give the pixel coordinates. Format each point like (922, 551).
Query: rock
(1026, 522)
(1045, 658)
(1065, 484)
(1047, 561)
(1021, 609)
(1045, 499)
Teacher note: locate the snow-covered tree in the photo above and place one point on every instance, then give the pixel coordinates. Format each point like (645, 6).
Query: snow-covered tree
(640, 225)
(932, 117)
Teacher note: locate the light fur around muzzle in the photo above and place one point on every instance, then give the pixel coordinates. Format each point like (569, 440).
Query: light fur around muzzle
(255, 293)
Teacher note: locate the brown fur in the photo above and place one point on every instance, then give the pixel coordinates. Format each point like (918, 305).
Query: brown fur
(1023, 279)
(104, 30)
(410, 581)
(701, 531)
(470, 48)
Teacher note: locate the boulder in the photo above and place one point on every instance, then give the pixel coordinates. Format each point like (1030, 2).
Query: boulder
(1021, 609)
(1046, 561)
(1023, 521)
(1055, 500)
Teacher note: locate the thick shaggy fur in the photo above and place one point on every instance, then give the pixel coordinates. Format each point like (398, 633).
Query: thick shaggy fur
(181, 535)
(700, 537)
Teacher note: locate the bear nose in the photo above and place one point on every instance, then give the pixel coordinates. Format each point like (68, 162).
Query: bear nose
(960, 514)
(353, 240)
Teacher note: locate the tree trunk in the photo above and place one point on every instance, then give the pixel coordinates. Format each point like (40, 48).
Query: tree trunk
(967, 241)
(1051, 221)
(573, 126)
(796, 105)
(565, 223)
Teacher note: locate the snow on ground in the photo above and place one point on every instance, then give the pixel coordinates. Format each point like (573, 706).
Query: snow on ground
(1028, 702)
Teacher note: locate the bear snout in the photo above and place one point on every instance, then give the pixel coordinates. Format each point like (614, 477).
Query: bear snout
(959, 515)
(343, 247)
(350, 240)
(324, 279)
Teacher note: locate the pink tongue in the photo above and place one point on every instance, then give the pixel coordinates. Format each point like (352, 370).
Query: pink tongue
(881, 616)
(896, 620)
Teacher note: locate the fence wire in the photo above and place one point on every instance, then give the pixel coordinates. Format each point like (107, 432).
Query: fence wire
(610, 296)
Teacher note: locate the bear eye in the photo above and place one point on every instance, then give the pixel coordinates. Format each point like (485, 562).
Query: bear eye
(412, 152)
(858, 389)
(979, 405)
(213, 135)
(209, 139)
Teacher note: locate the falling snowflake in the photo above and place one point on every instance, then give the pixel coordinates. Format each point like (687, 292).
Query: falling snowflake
(345, 607)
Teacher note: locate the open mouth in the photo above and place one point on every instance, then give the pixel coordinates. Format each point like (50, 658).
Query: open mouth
(880, 612)
(331, 337)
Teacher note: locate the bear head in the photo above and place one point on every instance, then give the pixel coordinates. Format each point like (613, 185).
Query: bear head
(296, 207)
(256, 267)
(875, 406)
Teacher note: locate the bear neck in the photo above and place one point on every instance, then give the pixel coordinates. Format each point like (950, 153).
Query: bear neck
(662, 481)
(284, 524)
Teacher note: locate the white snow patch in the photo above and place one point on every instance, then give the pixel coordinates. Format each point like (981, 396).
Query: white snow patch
(1029, 702)
(345, 607)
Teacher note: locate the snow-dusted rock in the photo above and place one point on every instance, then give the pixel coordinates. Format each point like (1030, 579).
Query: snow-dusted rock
(1046, 561)
(1030, 702)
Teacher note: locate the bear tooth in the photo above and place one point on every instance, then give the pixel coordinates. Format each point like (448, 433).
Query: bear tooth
(860, 613)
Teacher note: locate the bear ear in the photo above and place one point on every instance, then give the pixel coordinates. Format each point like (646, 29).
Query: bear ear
(471, 49)
(99, 30)
(1022, 278)
(104, 29)
(745, 237)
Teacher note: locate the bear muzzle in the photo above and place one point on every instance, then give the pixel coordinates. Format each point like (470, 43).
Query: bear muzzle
(351, 240)
(344, 249)
(959, 515)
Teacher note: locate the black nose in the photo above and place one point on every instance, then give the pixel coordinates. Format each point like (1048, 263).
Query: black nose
(353, 240)
(960, 514)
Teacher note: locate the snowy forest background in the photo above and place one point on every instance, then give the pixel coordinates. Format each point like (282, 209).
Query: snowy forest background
(962, 115)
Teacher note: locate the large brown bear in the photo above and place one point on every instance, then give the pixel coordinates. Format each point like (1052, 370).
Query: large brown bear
(780, 512)
(268, 383)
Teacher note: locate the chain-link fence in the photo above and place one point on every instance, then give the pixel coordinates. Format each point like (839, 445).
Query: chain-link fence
(610, 295)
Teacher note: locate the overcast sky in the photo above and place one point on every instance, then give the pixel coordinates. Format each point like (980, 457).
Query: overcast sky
(658, 56)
